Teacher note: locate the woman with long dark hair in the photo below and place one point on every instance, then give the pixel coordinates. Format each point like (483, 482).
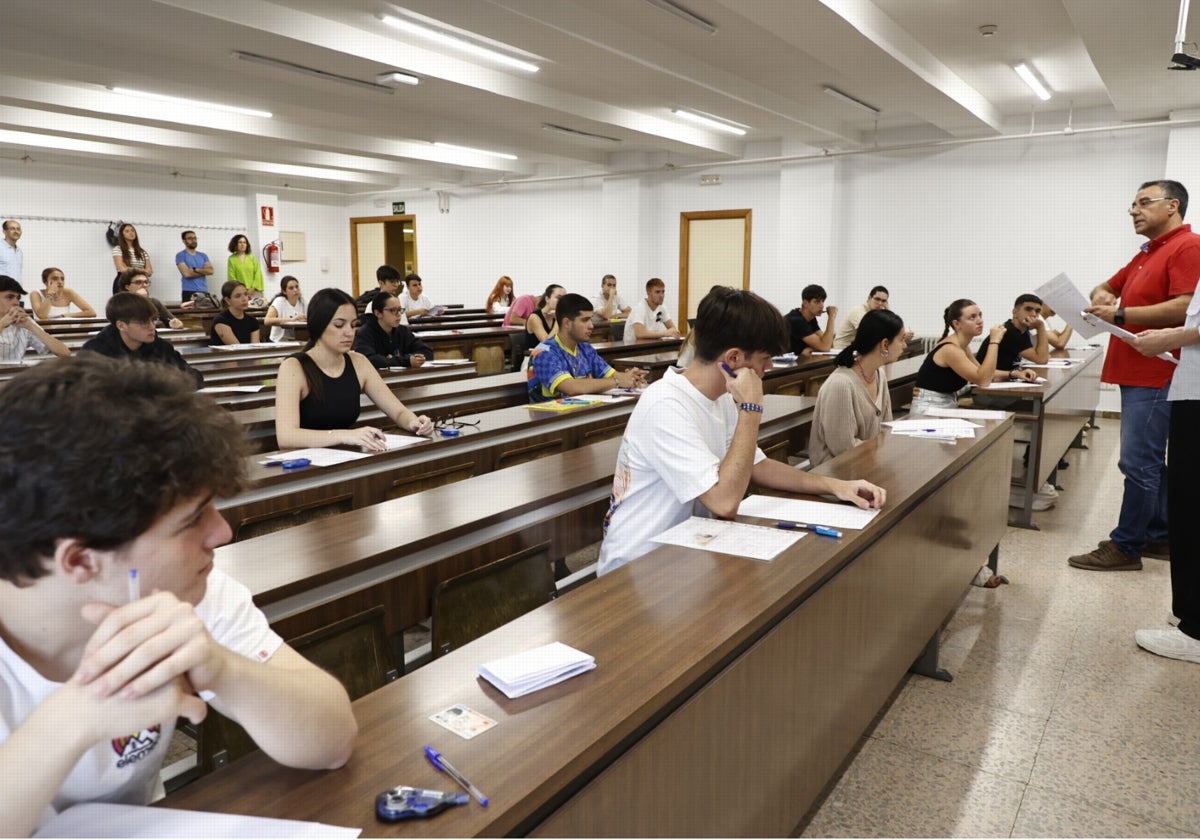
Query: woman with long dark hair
(317, 393)
(128, 253)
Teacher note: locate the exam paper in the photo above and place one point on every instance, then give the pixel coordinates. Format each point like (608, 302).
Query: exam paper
(232, 389)
(445, 362)
(833, 515)
(1009, 386)
(398, 441)
(522, 673)
(106, 819)
(967, 413)
(319, 457)
(725, 537)
(1066, 300)
(1122, 334)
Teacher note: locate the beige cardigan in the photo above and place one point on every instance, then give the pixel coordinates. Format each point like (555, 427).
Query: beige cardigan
(846, 415)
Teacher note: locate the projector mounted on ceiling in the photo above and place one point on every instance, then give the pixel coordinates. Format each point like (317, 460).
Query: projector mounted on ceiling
(1182, 60)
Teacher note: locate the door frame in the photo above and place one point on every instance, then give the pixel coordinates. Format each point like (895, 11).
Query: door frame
(685, 220)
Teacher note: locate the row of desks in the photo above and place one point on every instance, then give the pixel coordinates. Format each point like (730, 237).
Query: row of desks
(727, 691)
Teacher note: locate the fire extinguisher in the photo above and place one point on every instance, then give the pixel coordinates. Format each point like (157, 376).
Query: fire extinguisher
(272, 256)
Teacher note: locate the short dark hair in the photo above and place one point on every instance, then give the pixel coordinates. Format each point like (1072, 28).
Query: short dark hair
(1171, 189)
(874, 327)
(729, 318)
(166, 444)
(126, 277)
(875, 289)
(129, 307)
(6, 221)
(1027, 298)
(571, 306)
(607, 277)
(412, 278)
(387, 272)
(234, 241)
(654, 282)
(813, 292)
(184, 235)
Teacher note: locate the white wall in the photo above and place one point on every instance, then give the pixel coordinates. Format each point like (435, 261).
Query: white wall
(987, 221)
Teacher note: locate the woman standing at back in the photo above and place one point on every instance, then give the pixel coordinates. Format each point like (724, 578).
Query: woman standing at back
(243, 266)
(128, 253)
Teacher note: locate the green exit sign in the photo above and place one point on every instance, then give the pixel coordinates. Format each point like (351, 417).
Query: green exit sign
(397, 208)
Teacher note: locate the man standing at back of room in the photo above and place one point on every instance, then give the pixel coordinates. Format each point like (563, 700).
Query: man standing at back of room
(649, 318)
(1153, 290)
(691, 444)
(12, 260)
(194, 266)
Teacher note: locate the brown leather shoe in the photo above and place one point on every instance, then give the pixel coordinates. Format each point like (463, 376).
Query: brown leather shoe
(1106, 557)
(1158, 549)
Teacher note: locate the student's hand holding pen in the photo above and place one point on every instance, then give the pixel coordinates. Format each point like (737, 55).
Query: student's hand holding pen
(368, 437)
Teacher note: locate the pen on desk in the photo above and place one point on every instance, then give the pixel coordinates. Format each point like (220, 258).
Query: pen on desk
(439, 761)
(823, 530)
(135, 586)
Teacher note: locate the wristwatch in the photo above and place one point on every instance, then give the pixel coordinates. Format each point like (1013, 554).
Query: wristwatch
(750, 407)
(1119, 318)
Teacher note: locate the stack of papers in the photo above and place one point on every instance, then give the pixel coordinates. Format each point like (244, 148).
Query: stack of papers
(1052, 363)
(319, 457)
(724, 537)
(522, 673)
(833, 515)
(968, 413)
(569, 403)
(935, 428)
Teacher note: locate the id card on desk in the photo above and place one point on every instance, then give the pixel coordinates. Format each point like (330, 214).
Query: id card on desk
(463, 721)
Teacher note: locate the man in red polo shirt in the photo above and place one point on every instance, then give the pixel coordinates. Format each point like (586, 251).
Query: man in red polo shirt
(1154, 291)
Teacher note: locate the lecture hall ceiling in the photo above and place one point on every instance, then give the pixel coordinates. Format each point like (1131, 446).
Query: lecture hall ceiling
(613, 69)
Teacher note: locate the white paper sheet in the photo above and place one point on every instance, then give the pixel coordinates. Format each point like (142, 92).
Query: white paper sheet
(933, 424)
(445, 362)
(1010, 386)
(232, 389)
(1067, 301)
(105, 819)
(967, 413)
(522, 673)
(262, 345)
(398, 441)
(724, 537)
(318, 457)
(1120, 333)
(834, 515)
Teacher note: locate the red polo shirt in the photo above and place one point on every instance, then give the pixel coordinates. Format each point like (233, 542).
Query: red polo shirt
(1165, 268)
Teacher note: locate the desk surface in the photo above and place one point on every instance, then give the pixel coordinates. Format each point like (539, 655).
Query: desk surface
(660, 628)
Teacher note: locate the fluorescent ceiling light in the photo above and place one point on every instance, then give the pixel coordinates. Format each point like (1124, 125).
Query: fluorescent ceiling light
(684, 14)
(395, 77)
(850, 100)
(1035, 84)
(576, 134)
(709, 122)
(405, 25)
(504, 155)
(378, 85)
(191, 103)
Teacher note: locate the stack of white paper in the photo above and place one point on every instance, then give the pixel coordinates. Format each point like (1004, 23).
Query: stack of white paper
(521, 673)
(105, 819)
(939, 428)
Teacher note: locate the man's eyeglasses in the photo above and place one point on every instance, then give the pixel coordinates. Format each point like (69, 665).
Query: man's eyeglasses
(1143, 203)
(143, 283)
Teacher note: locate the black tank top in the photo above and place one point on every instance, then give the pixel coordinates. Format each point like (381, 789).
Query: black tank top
(339, 409)
(545, 326)
(942, 379)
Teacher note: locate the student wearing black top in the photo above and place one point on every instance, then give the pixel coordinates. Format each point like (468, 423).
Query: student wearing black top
(317, 393)
(385, 341)
(806, 333)
(135, 280)
(950, 367)
(1017, 344)
(233, 325)
(388, 279)
(130, 335)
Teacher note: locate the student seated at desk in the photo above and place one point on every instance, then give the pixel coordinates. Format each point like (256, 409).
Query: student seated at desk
(113, 468)
(500, 298)
(649, 318)
(56, 300)
(1058, 331)
(288, 305)
(1017, 343)
(18, 332)
(135, 280)
(806, 333)
(567, 366)
(130, 334)
(541, 323)
(317, 394)
(950, 368)
(232, 325)
(854, 401)
(691, 444)
(385, 341)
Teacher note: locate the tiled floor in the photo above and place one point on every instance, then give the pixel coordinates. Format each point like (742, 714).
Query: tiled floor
(1056, 723)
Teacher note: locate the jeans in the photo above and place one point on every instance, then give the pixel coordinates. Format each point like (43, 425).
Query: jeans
(926, 399)
(1145, 421)
(1182, 463)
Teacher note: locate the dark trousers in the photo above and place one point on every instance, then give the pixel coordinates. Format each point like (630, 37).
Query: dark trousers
(1183, 464)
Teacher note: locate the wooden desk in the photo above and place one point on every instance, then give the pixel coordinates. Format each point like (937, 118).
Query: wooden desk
(713, 672)
(396, 378)
(1055, 415)
(487, 346)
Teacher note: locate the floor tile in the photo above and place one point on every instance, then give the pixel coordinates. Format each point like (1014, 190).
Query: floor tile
(1047, 814)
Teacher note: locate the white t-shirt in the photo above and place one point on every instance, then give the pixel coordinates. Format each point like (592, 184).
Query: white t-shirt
(285, 310)
(654, 320)
(674, 443)
(423, 302)
(15, 342)
(598, 303)
(126, 769)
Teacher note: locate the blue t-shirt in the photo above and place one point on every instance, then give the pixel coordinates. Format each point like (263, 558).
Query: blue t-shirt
(551, 363)
(193, 261)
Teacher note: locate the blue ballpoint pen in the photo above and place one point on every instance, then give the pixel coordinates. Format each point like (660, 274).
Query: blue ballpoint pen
(439, 761)
(823, 530)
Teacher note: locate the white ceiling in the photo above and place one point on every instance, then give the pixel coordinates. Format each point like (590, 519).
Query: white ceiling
(610, 67)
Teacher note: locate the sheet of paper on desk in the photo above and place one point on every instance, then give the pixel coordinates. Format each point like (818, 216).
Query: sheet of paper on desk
(967, 413)
(105, 819)
(319, 457)
(530, 670)
(724, 537)
(934, 424)
(262, 345)
(232, 389)
(1052, 363)
(1010, 386)
(446, 362)
(834, 515)
(397, 441)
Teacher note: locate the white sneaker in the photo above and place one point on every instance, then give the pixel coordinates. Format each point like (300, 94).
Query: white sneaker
(1016, 499)
(1047, 491)
(1172, 643)
(1173, 620)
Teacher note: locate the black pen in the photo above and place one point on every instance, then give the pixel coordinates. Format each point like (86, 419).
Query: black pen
(823, 530)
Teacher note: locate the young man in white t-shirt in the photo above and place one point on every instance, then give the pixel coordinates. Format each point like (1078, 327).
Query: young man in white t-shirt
(113, 615)
(691, 444)
(414, 302)
(649, 318)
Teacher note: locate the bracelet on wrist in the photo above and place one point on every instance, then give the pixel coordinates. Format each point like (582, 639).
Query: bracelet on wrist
(749, 406)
